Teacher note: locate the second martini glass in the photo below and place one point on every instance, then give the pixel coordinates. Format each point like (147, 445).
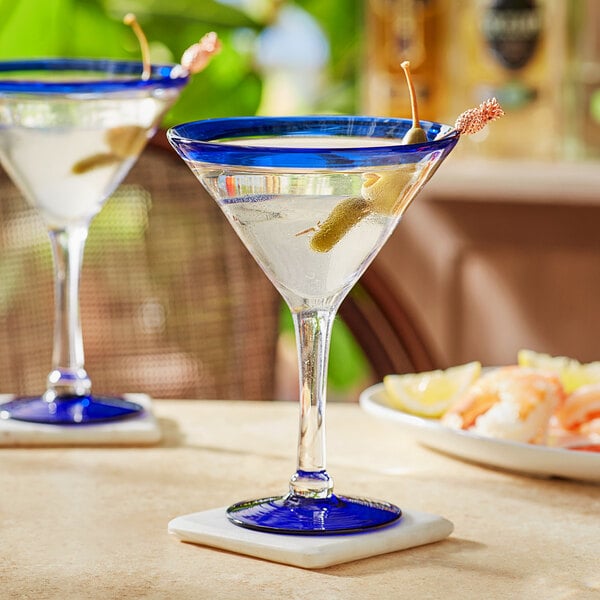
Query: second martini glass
(313, 199)
(70, 130)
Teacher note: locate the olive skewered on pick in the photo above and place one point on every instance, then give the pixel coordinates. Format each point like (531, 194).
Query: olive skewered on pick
(382, 192)
(127, 141)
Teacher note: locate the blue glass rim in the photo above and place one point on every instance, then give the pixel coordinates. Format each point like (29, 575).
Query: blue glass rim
(205, 141)
(161, 76)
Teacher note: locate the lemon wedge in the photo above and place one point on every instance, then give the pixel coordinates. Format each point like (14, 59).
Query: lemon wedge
(573, 374)
(430, 394)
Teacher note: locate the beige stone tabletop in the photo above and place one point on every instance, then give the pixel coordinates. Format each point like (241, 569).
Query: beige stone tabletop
(92, 522)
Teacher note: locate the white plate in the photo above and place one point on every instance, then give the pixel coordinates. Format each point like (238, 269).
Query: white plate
(542, 461)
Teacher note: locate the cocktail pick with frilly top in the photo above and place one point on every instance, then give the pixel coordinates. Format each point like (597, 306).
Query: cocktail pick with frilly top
(475, 119)
(197, 56)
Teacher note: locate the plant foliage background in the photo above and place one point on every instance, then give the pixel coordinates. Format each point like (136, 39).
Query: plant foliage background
(231, 85)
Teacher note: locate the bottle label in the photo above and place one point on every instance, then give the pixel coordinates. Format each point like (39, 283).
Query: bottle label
(511, 29)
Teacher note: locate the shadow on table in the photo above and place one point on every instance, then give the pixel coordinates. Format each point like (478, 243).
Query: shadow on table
(426, 556)
(171, 434)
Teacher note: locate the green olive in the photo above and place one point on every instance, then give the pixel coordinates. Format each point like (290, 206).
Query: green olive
(385, 190)
(415, 135)
(94, 162)
(342, 219)
(127, 140)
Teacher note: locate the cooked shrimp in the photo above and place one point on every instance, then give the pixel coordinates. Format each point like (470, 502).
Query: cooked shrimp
(513, 403)
(581, 410)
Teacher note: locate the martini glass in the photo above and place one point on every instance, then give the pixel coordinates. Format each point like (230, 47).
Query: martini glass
(313, 199)
(70, 130)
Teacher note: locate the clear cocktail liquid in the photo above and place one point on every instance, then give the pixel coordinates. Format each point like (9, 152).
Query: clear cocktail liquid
(61, 152)
(277, 212)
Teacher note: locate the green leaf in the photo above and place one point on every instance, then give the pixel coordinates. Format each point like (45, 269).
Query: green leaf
(595, 106)
(228, 87)
(175, 13)
(341, 21)
(32, 28)
(62, 28)
(348, 365)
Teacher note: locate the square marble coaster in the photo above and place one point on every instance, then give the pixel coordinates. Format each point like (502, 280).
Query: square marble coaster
(142, 429)
(212, 528)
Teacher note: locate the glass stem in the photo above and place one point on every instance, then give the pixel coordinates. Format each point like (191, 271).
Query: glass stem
(313, 335)
(68, 376)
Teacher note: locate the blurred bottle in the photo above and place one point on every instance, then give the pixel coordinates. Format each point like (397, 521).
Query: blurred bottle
(513, 50)
(582, 134)
(398, 30)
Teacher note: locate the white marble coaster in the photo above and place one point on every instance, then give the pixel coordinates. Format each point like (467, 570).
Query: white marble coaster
(212, 528)
(140, 430)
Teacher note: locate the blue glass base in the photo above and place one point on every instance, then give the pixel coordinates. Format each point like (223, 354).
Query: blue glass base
(69, 410)
(313, 516)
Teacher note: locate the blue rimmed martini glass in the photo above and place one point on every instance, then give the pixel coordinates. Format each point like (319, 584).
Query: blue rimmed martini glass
(313, 199)
(70, 130)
